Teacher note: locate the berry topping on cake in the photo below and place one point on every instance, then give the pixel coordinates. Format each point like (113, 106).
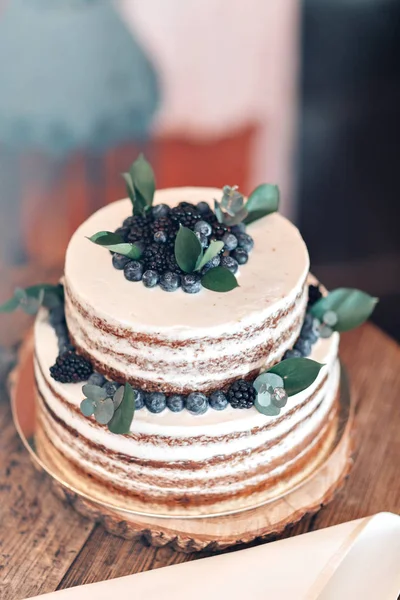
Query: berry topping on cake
(176, 403)
(196, 403)
(155, 402)
(241, 394)
(70, 367)
(218, 400)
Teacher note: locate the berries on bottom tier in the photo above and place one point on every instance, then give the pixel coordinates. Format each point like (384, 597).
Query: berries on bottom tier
(241, 394)
(155, 402)
(314, 294)
(218, 400)
(70, 367)
(176, 403)
(196, 403)
(97, 379)
(139, 398)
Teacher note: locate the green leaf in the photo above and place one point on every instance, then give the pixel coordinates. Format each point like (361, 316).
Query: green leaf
(263, 403)
(104, 411)
(31, 298)
(297, 373)
(188, 249)
(94, 392)
(218, 211)
(115, 243)
(143, 179)
(262, 201)
(352, 307)
(219, 279)
(87, 407)
(213, 249)
(122, 419)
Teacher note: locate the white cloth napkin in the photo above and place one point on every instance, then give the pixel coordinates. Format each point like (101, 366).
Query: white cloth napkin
(359, 559)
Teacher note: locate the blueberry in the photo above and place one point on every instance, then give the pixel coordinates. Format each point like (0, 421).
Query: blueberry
(196, 403)
(240, 255)
(169, 281)
(214, 262)
(310, 329)
(229, 263)
(307, 323)
(155, 402)
(57, 316)
(97, 379)
(64, 345)
(133, 270)
(160, 237)
(176, 402)
(292, 354)
(110, 388)
(119, 261)
(150, 278)
(203, 207)
(139, 398)
(203, 227)
(191, 283)
(239, 228)
(218, 400)
(303, 346)
(202, 239)
(122, 231)
(230, 241)
(160, 210)
(128, 222)
(245, 241)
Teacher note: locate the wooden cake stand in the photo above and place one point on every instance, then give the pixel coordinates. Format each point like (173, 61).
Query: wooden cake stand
(197, 533)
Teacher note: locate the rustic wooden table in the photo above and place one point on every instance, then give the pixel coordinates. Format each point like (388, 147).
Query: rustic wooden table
(45, 546)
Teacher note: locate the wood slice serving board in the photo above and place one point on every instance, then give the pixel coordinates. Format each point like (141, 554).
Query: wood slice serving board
(197, 533)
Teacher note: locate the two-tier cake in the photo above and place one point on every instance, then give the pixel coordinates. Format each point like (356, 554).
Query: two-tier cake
(196, 370)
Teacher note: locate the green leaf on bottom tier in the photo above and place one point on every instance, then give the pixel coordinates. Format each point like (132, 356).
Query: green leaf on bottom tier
(115, 243)
(352, 307)
(297, 373)
(31, 298)
(123, 415)
(219, 279)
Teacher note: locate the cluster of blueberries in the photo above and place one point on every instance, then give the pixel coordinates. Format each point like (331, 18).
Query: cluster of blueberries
(155, 234)
(71, 367)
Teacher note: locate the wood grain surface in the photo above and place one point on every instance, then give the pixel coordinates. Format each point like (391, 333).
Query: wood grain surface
(45, 545)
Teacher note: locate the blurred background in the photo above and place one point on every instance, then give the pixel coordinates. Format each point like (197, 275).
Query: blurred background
(302, 94)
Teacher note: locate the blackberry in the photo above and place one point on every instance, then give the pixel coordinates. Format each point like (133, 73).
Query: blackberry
(241, 394)
(219, 230)
(71, 368)
(314, 294)
(139, 230)
(172, 265)
(185, 214)
(166, 225)
(154, 258)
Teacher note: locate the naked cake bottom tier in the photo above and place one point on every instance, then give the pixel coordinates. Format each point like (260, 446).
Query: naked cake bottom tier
(181, 464)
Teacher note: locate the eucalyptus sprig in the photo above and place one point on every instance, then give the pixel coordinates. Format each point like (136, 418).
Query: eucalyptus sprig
(343, 309)
(140, 185)
(115, 243)
(116, 412)
(191, 258)
(30, 299)
(289, 377)
(231, 209)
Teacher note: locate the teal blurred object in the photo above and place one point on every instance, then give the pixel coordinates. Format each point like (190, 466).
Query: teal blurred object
(72, 77)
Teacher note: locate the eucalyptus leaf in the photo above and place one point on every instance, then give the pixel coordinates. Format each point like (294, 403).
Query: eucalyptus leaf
(219, 279)
(115, 243)
(143, 179)
(87, 407)
(263, 403)
(118, 396)
(297, 373)
(351, 306)
(237, 218)
(9, 306)
(269, 380)
(122, 419)
(188, 249)
(94, 392)
(218, 211)
(262, 201)
(104, 411)
(213, 249)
